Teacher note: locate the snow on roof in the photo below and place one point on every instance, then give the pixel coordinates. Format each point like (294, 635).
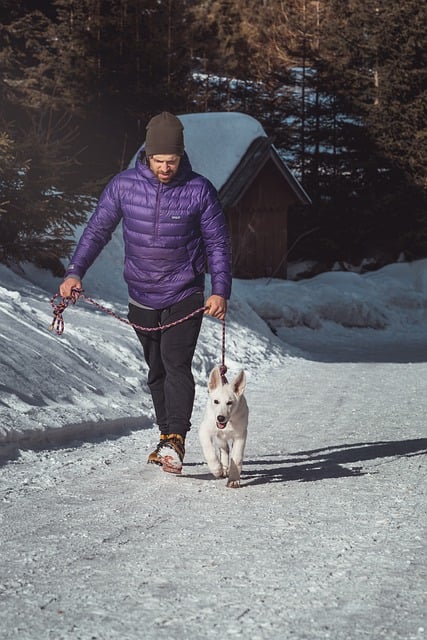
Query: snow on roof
(216, 142)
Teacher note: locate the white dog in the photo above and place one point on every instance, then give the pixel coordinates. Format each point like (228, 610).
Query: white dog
(224, 427)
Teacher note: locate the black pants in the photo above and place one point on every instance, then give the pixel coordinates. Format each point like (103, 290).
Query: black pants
(169, 354)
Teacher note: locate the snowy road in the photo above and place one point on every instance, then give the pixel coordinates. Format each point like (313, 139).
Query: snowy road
(326, 538)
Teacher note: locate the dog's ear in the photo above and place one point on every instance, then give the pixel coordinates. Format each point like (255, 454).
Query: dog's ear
(214, 379)
(239, 383)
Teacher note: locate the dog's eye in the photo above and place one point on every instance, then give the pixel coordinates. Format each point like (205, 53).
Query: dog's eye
(216, 401)
(229, 403)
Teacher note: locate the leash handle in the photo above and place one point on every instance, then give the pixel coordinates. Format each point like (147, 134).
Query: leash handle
(57, 324)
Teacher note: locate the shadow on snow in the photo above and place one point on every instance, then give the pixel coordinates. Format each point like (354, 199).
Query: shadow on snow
(340, 461)
(73, 434)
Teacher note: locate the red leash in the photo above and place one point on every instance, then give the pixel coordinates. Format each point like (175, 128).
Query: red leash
(58, 325)
(59, 308)
(223, 368)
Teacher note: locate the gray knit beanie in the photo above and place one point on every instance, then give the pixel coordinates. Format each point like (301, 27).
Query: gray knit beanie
(164, 135)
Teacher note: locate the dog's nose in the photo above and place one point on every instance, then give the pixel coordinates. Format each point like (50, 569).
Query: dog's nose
(221, 419)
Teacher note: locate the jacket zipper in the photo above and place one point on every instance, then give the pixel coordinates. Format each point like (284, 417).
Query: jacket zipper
(157, 212)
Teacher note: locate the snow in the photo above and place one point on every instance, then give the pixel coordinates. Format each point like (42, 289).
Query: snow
(326, 537)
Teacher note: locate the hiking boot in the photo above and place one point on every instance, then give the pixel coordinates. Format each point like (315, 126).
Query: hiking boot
(154, 457)
(172, 453)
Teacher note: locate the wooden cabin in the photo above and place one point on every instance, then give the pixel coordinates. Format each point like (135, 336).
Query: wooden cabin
(256, 199)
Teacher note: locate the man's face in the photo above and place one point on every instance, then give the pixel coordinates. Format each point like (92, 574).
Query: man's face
(164, 167)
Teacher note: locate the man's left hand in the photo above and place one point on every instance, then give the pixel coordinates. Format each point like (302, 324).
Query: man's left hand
(216, 306)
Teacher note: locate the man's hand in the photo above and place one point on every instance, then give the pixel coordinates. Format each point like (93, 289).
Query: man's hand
(216, 306)
(68, 284)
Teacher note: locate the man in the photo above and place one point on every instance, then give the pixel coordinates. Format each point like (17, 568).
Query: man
(172, 224)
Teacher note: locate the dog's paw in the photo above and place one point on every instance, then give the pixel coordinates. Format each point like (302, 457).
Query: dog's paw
(219, 474)
(233, 484)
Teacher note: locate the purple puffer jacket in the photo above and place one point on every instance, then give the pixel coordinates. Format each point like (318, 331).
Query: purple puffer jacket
(168, 229)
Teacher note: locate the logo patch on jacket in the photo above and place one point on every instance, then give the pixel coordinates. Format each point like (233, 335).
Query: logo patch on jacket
(175, 217)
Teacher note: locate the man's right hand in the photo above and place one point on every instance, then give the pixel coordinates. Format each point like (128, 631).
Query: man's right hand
(68, 284)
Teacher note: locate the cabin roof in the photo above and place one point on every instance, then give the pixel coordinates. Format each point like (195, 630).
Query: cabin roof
(256, 157)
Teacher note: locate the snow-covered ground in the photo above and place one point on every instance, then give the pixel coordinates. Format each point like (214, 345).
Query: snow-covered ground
(325, 539)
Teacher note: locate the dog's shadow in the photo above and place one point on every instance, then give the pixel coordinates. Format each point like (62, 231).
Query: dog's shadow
(338, 461)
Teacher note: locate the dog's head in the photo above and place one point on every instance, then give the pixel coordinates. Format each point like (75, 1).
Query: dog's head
(225, 397)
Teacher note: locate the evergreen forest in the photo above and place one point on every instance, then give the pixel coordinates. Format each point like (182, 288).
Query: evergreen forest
(339, 85)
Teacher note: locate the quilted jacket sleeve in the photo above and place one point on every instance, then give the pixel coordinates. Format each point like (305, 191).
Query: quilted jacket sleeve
(217, 242)
(98, 231)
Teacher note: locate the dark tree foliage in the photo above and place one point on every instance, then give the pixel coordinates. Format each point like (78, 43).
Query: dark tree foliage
(38, 209)
(36, 218)
(375, 56)
(338, 85)
(222, 78)
(239, 66)
(365, 150)
(129, 59)
(77, 80)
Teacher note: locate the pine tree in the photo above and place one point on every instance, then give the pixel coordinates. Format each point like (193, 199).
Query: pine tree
(38, 206)
(398, 114)
(240, 67)
(368, 200)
